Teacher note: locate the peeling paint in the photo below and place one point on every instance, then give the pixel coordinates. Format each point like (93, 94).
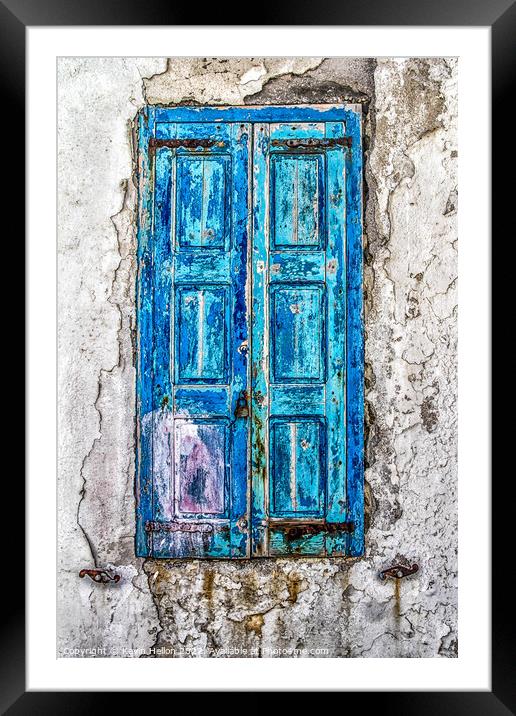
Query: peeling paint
(219, 80)
(254, 623)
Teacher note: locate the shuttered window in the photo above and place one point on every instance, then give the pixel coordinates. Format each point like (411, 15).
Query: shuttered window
(250, 336)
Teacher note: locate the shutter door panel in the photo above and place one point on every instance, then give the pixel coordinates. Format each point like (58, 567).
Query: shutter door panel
(250, 287)
(200, 244)
(299, 361)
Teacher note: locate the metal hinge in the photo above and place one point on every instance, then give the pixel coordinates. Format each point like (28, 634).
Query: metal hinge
(295, 530)
(151, 526)
(312, 143)
(184, 143)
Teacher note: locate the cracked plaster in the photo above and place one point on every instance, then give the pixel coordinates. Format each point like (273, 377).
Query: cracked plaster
(410, 292)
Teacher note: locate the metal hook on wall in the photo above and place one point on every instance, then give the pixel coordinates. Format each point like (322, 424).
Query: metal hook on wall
(398, 571)
(99, 575)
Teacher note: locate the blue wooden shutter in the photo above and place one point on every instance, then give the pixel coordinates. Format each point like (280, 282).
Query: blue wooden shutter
(193, 491)
(293, 469)
(307, 339)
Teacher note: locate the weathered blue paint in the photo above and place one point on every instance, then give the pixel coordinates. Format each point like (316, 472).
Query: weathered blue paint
(144, 335)
(202, 327)
(211, 484)
(298, 467)
(257, 114)
(337, 506)
(203, 216)
(259, 358)
(297, 333)
(355, 338)
(193, 322)
(297, 216)
(299, 303)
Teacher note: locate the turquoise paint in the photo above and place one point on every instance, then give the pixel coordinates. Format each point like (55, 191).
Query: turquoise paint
(259, 359)
(355, 339)
(203, 216)
(306, 409)
(303, 329)
(298, 450)
(297, 333)
(263, 115)
(297, 221)
(202, 326)
(336, 286)
(195, 315)
(145, 339)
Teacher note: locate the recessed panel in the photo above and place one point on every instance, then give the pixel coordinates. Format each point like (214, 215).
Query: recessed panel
(201, 456)
(201, 328)
(297, 347)
(193, 400)
(297, 467)
(297, 201)
(298, 399)
(202, 199)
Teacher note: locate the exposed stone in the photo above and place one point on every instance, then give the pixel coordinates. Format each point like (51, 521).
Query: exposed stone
(219, 80)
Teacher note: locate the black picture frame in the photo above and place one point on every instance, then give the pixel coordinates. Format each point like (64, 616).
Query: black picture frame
(500, 16)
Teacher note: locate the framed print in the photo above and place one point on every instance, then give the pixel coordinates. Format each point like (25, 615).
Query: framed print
(271, 332)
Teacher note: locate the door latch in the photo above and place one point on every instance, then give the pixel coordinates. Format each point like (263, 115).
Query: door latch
(242, 407)
(242, 524)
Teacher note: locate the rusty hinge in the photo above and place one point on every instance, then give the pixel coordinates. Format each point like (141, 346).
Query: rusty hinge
(308, 143)
(184, 143)
(151, 526)
(101, 576)
(398, 571)
(295, 530)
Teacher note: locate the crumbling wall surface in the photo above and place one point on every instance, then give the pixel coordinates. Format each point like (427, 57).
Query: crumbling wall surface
(265, 607)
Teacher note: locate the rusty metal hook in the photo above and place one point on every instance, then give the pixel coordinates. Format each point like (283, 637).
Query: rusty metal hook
(398, 571)
(99, 575)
